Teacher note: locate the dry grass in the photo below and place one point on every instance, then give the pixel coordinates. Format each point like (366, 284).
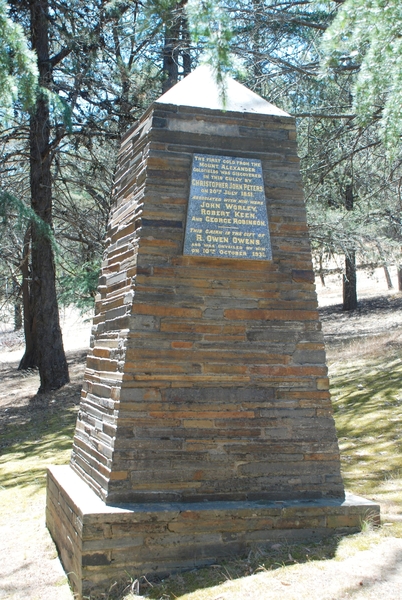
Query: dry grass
(35, 432)
(366, 383)
(366, 376)
(366, 386)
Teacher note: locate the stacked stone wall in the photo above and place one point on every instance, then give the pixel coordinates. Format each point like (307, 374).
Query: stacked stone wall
(99, 544)
(96, 424)
(207, 377)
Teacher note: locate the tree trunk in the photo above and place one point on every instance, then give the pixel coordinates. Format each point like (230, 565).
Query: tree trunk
(185, 36)
(17, 305)
(49, 349)
(350, 282)
(388, 277)
(400, 278)
(17, 314)
(321, 271)
(349, 278)
(29, 360)
(176, 30)
(171, 54)
(256, 46)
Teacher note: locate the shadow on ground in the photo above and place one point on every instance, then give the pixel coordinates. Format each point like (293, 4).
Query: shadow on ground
(36, 426)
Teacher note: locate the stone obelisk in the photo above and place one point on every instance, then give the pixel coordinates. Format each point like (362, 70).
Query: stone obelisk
(205, 423)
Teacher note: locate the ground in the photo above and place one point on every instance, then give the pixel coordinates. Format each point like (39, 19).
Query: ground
(29, 567)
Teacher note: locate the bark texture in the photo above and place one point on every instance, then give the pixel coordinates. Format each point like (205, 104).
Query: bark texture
(29, 360)
(49, 351)
(176, 46)
(350, 278)
(400, 278)
(350, 282)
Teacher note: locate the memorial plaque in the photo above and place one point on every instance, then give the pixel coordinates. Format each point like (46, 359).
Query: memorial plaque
(227, 211)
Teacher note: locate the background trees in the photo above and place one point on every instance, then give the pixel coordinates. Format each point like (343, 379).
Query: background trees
(364, 40)
(18, 69)
(72, 121)
(101, 64)
(365, 37)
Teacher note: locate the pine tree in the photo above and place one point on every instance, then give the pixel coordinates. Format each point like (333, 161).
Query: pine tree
(18, 68)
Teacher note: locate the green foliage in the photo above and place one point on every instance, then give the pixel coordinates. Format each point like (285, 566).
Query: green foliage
(18, 70)
(210, 25)
(12, 209)
(78, 287)
(366, 35)
(59, 108)
(338, 154)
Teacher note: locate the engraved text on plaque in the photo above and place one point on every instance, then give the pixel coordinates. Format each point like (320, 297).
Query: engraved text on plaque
(227, 212)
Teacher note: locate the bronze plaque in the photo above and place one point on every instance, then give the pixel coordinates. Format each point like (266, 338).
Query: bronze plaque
(227, 211)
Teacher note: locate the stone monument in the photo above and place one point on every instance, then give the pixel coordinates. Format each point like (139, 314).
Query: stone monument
(205, 425)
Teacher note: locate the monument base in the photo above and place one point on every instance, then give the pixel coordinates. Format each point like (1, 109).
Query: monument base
(100, 544)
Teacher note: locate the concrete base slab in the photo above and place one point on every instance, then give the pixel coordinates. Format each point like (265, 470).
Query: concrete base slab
(100, 544)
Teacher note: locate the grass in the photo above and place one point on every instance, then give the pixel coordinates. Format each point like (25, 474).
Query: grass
(33, 434)
(366, 388)
(35, 438)
(367, 400)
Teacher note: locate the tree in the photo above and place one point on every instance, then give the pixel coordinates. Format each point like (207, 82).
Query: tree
(44, 346)
(100, 67)
(18, 83)
(176, 44)
(18, 69)
(365, 37)
(78, 111)
(351, 186)
(48, 352)
(342, 156)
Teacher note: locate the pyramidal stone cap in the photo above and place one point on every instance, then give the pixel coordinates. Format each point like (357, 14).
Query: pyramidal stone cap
(200, 89)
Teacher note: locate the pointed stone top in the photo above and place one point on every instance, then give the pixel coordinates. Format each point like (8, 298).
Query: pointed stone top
(200, 89)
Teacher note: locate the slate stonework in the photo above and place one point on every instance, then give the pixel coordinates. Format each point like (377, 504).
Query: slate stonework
(100, 544)
(205, 425)
(206, 378)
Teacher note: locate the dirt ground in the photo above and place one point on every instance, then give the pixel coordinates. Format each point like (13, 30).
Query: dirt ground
(29, 567)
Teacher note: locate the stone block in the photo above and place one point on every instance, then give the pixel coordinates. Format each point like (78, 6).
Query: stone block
(127, 541)
(206, 383)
